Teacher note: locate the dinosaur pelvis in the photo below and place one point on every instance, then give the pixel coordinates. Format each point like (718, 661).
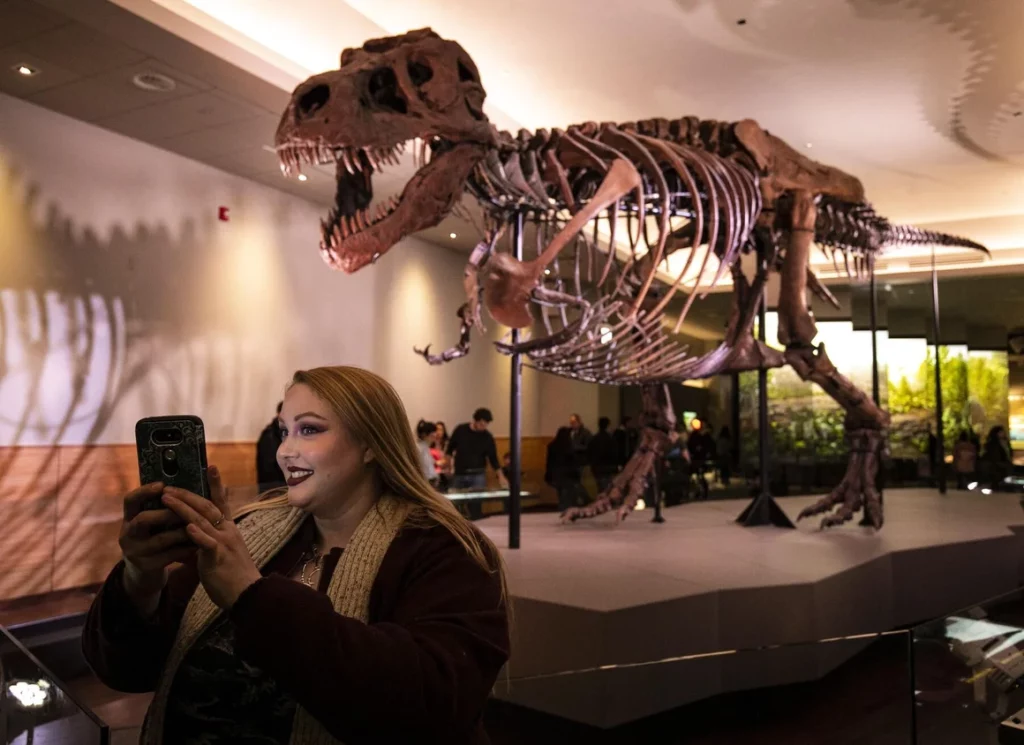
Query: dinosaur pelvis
(508, 284)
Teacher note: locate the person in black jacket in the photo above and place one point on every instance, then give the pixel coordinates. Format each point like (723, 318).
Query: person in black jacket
(562, 470)
(268, 472)
(602, 454)
(626, 439)
(701, 447)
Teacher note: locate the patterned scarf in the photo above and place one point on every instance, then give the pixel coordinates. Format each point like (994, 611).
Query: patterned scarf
(266, 532)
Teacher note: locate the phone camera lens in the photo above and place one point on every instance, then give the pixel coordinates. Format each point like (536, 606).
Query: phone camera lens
(170, 455)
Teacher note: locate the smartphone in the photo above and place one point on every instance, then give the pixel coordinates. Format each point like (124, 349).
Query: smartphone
(172, 449)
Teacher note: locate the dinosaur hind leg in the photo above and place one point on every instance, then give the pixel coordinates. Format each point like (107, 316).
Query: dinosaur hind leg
(658, 419)
(865, 423)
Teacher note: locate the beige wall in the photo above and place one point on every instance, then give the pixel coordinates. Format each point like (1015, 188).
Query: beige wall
(122, 295)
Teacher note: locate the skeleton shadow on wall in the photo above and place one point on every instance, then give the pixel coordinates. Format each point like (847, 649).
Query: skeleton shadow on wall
(84, 322)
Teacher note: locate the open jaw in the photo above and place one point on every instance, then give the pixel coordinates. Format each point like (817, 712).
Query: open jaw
(355, 234)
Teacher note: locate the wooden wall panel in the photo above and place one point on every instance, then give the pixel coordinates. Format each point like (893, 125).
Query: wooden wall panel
(534, 457)
(62, 510)
(28, 503)
(61, 507)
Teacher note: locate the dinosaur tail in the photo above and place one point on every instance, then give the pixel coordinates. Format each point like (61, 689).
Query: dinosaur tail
(908, 235)
(855, 226)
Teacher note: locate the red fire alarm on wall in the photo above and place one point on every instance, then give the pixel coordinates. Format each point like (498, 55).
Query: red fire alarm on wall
(222, 214)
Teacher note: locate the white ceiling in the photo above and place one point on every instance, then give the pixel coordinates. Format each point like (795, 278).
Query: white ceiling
(916, 97)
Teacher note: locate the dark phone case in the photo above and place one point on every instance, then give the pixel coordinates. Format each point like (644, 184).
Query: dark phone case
(190, 452)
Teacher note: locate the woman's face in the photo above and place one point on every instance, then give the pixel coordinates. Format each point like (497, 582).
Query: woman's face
(320, 460)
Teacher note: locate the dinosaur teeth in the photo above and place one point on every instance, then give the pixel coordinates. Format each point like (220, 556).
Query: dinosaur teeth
(347, 158)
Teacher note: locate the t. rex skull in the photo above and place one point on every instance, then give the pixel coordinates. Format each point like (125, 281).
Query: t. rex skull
(415, 87)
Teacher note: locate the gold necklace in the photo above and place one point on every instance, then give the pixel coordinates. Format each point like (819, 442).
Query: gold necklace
(314, 557)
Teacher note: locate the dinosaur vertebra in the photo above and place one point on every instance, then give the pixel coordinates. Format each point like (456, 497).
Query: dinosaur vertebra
(676, 184)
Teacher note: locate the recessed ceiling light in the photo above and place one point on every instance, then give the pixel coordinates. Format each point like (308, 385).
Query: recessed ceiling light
(809, 145)
(452, 235)
(302, 177)
(154, 81)
(26, 70)
(547, 272)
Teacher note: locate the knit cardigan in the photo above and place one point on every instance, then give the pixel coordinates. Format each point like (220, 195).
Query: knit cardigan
(265, 532)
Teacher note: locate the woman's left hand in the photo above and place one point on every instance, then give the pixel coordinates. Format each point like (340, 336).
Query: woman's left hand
(225, 566)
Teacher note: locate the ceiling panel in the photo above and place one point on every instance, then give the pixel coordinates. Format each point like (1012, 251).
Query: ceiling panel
(21, 19)
(111, 93)
(79, 48)
(49, 75)
(179, 116)
(252, 159)
(225, 139)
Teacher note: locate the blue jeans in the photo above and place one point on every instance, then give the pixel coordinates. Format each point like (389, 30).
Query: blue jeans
(474, 481)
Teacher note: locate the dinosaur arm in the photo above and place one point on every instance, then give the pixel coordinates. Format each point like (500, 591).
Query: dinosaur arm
(469, 311)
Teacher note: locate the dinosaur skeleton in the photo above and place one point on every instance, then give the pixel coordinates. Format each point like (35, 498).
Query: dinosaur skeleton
(716, 190)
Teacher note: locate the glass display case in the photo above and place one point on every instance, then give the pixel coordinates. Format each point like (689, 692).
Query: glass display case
(968, 668)
(35, 707)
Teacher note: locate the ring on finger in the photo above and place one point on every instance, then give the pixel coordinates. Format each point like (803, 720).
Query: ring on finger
(218, 521)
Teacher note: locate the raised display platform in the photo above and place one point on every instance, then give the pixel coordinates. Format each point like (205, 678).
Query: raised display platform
(596, 593)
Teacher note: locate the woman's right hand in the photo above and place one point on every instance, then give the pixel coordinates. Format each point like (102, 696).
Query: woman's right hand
(150, 540)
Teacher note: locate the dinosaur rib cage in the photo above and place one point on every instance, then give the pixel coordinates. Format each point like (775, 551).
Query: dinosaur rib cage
(605, 321)
(700, 188)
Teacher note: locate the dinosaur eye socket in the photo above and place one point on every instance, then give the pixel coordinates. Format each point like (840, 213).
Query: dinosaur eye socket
(465, 74)
(419, 73)
(383, 90)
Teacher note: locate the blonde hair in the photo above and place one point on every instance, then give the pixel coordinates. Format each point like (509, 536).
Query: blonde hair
(373, 414)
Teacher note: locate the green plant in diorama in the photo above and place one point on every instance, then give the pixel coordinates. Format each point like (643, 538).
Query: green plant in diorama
(988, 383)
(913, 404)
(955, 401)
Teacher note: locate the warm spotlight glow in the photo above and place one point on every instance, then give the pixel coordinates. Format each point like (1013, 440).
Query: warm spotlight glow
(640, 504)
(302, 177)
(809, 145)
(606, 335)
(972, 486)
(452, 235)
(986, 491)
(29, 695)
(25, 70)
(696, 424)
(547, 272)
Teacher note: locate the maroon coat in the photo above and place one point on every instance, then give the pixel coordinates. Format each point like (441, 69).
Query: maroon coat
(420, 671)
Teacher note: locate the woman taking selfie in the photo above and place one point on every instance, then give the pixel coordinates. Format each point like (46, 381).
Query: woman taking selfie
(358, 606)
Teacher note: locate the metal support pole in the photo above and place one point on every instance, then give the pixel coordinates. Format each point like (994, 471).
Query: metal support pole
(656, 492)
(876, 393)
(515, 438)
(940, 447)
(764, 510)
(762, 399)
(736, 456)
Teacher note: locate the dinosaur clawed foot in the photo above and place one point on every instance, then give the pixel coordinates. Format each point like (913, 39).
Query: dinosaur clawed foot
(857, 489)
